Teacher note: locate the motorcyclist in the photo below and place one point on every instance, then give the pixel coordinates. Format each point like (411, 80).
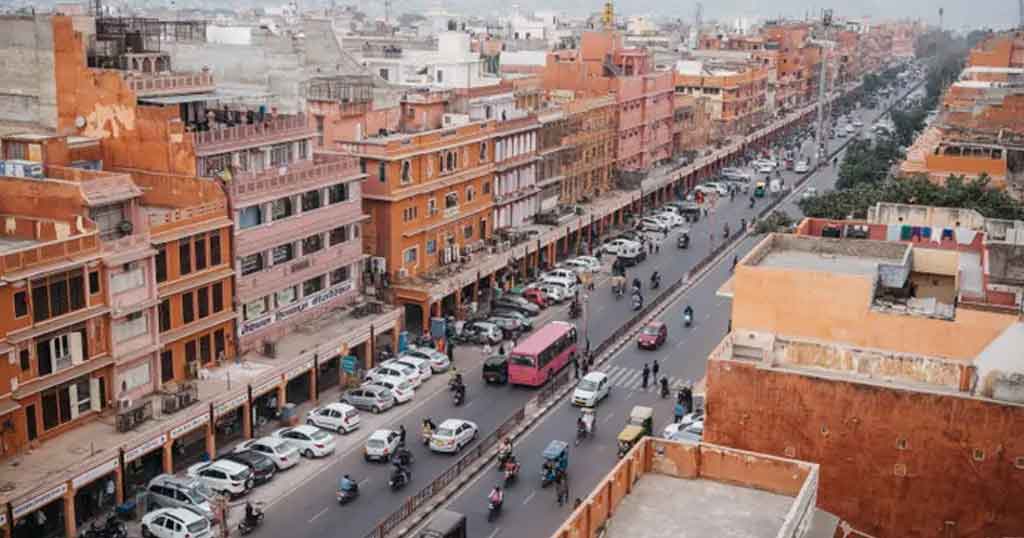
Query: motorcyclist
(403, 455)
(636, 283)
(250, 513)
(581, 427)
(496, 496)
(511, 466)
(505, 450)
(688, 313)
(399, 474)
(401, 435)
(347, 484)
(655, 279)
(456, 381)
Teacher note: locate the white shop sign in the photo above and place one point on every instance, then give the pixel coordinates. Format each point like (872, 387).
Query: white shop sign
(144, 448)
(40, 500)
(301, 369)
(313, 301)
(190, 425)
(96, 472)
(226, 407)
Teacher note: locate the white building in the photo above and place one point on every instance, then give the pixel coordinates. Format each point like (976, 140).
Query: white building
(452, 65)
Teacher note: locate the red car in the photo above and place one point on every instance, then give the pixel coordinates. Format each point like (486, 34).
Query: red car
(653, 335)
(536, 297)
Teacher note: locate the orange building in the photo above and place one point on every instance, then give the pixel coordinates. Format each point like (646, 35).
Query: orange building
(736, 93)
(692, 125)
(797, 64)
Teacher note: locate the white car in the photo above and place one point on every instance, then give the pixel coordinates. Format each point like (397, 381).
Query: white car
(614, 246)
(223, 476)
(722, 190)
(311, 441)
(858, 123)
(593, 263)
(801, 167)
(650, 224)
(394, 370)
(175, 523)
(568, 287)
(673, 430)
(663, 218)
(567, 274)
(810, 192)
(420, 365)
(438, 361)
(400, 388)
(704, 188)
(764, 162)
(577, 266)
(553, 293)
(593, 388)
(764, 168)
(453, 434)
(339, 417)
(284, 454)
(381, 445)
(850, 128)
(673, 218)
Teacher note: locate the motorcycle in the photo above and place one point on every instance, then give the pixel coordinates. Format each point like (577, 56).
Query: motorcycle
(493, 509)
(458, 397)
(687, 319)
(348, 494)
(112, 528)
(574, 310)
(252, 521)
(638, 303)
(399, 479)
(511, 474)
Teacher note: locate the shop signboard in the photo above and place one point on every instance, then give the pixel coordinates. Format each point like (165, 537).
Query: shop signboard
(300, 369)
(40, 501)
(348, 363)
(313, 301)
(91, 475)
(254, 325)
(224, 408)
(190, 425)
(145, 448)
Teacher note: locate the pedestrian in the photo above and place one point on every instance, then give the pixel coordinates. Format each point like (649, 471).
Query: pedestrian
(450, 348)
(654, 369)
(688, 396)
(657, 247)
(487, 349)
(501, 349)
(575, 366)
(577, 503)
(401, 435)
(645, 375)
(586, 368)
(679, 412)
(562, 487)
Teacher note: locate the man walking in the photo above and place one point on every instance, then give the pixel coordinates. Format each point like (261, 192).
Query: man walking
(562, 487)
(575, 366)
(654, 370)
(645, 375)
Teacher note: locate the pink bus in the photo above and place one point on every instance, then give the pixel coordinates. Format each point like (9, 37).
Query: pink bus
(543, 354)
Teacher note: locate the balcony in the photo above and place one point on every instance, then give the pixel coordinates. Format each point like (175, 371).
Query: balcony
(52, 253)
(154, 85)
(247, 187)
(254, 286)
(272, 234)
(165, 220)
(270, 130)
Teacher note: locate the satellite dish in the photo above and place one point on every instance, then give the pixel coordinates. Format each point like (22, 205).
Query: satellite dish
(79, 121)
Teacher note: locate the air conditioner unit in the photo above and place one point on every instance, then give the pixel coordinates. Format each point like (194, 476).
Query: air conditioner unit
(270, 349)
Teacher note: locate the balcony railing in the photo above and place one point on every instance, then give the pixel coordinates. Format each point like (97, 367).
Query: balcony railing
(48, 253)
(267, 131)
(167, 84)
(247, 185)
(200, 212)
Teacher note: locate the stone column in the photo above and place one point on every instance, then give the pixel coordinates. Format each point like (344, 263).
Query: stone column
(70, 527)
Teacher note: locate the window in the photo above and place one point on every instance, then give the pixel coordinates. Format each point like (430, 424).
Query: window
(311, 244)
(311, 200)
(161, 269)
(249, 217)
(337, 193)
(483, 145)
(319, 130)
(204, 348)
(283, 253)
(40, 303)
(450, 160)
(185, 256)
(190, 351)
(382, 172)
(254, 309)
(280, 154)
(252, 263)
(188, 313)
(338, 235)
(287, 296)
(467, 231)
(340, 275)
(218, 296)
(406, 172)
(200, 245)
(431, 246)
(487, 187)
(409, 256)
(218, 343)
(20, 304)
(203, 300)
(303, 150)
(312, 286)
(431, 206)
(409, 214)
(215, 258)
(470, 194)
(282, 208)
(165, 315)
(57, 295)
(451, 200)
(94, 277)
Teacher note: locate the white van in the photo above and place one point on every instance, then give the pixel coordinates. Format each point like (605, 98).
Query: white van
(632, 254)
(566, 286)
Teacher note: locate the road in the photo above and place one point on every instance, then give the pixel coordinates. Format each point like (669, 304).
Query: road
(310, 509)
(531, 511)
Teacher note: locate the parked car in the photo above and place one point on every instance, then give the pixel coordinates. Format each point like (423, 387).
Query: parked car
(223, 476)
(518, 304)
(653, 335)
(311, 441)
(810, 192)
(615, 246)
(262, 467)
(801, 167)
(372, 397)
(510, 327)
(536, 296)
(389, 369)
(381, 445)
(735, 174)
(764, 162)
(339, 417)
(560, 273)
(673, 218)
(553, 294)
(495, 369)
(175, 523)
(650, 224)
(567, 287)
(419, 364)
(577, 266)
(169, 491)
(284, 454)
(400, 388)
(481, 332)
(592, 263)
(525, 321)
(593, 388)
(438, 361)
(722, 190)
(764, 168)
(850, 129)
(452, 435)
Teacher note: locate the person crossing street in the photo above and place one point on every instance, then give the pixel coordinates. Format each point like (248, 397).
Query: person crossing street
(645, 375)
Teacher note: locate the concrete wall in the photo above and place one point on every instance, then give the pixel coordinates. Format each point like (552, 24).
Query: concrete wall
(893, 462)
(28, 92)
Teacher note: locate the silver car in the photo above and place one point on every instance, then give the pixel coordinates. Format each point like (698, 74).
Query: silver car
(372, 397)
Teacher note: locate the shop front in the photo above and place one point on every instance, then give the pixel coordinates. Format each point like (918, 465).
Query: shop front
(300, 380)
(42, 515)
(265, 406)
(328, 373)
(95, 492)
(229, 423)
(142, 464)
(188, 445)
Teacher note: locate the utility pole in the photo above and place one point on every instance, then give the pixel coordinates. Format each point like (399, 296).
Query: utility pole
(823, 93)
(941, 13)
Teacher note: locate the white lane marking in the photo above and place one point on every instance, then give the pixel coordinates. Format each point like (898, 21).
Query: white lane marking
(494, 532)
(364, 481)
(607, 418)
(318, 514)
(529, 497)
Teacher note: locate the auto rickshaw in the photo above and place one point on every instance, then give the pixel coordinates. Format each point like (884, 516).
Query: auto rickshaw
(556, 459)
(759, 189)
(641, 422)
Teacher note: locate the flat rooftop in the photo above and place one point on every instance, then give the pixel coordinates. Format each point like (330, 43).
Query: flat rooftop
(841, 256)
(661, 506)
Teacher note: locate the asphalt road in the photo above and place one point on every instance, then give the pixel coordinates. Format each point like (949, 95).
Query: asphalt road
(531, 511)
(311, 510)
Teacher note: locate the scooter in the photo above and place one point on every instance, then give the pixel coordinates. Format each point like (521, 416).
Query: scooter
(511, 475)
(458, 396)
(112, 528)
(638, 303)
(346, 496)
(687, 319)
(249, 524)
(399, 480)
(493, 509)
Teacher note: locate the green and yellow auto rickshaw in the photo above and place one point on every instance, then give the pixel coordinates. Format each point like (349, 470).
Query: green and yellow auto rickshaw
(641, 422)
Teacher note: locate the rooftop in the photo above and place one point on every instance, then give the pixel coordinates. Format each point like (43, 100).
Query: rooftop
(828, 255)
